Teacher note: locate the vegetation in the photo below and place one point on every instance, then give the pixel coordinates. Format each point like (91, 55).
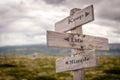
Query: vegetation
(24, 67)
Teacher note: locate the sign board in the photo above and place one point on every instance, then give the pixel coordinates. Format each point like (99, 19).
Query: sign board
(86, 60)
(79, 18)
(67, 40)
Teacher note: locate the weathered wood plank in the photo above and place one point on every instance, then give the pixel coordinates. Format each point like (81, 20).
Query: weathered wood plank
(78, 18)
(69, 40)
(86, 60)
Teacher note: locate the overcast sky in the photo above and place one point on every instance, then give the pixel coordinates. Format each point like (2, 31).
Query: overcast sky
(26, 21)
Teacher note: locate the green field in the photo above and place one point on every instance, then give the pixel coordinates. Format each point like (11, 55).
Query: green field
(22, 67)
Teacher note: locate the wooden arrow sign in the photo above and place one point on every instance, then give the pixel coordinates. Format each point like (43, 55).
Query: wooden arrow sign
(67, 40)
(86, 60)
(79, 18)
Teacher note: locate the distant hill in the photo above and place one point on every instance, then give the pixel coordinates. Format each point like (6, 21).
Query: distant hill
(43, 49)
(114, 48)
(30, 49)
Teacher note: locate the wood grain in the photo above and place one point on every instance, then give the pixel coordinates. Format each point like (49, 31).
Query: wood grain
(80, 73)
(78, 18)
(76, 41)
(86, 60)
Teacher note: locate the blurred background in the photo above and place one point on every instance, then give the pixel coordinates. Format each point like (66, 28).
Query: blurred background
(23, 51)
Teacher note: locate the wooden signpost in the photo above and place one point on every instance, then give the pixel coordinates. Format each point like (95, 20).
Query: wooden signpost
(86, 60)
(78, 18)
(76, 41)
(83, 46)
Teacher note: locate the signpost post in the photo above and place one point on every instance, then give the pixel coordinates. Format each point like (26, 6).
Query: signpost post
(83, 46)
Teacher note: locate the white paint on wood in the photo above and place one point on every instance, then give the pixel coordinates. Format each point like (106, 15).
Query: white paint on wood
(86, 60)
(69, 40)
(78, 18)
